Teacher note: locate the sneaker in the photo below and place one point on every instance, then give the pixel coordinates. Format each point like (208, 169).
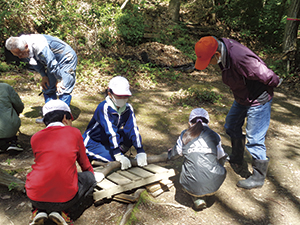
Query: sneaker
(39, 121)
(199, 203)
(38, 218)
(67, 218)
(13, 145)
(60, 219)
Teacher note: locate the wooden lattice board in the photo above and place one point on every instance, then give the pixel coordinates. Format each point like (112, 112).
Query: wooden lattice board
(125, 180)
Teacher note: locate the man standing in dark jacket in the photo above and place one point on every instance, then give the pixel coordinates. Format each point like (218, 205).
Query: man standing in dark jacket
(252, 83)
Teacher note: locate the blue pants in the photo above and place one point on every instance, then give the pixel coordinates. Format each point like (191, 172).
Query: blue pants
(103, 152)
(258, 121)
(64, 97)
(68, 73)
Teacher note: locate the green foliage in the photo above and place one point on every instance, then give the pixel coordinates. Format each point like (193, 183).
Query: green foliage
(279, 68)
(4, 67)
(12, 186)
(101, 17)
(8, 161)
(194, 96)
(130, 25)
(144, 198)
(178, 36)
(12, 18)
(256, 19)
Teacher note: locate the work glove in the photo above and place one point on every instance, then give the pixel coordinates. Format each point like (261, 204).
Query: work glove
(280, 81)
(98, 176)
(141, 159)
(125, 162)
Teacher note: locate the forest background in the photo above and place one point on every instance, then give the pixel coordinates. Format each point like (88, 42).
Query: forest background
(152, 44)
(269, 27)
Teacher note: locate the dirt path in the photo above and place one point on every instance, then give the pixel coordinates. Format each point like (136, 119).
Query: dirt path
(160, 122)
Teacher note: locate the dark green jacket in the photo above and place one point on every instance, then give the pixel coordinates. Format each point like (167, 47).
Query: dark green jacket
(10, 107)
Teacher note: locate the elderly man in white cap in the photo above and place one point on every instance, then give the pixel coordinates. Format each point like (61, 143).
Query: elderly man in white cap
(203, 169)
(54, 186)
(113, 128)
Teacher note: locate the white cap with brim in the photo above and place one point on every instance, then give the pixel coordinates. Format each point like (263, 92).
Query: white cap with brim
(199, 112)
(119, 86)
(56, 104)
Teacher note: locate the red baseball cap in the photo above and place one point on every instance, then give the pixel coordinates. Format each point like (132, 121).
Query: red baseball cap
(205, 48)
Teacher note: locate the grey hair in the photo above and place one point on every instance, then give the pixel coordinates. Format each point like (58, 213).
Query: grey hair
(14, 43)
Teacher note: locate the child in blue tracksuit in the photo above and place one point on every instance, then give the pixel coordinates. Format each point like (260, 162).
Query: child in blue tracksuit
(54, 59)
(113, 129)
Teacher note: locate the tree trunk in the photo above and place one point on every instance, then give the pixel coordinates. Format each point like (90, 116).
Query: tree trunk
(291, 28)
(174, 7)
(290, 34)
(11, 182)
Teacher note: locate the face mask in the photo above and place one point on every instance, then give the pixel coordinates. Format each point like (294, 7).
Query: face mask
(119, 102)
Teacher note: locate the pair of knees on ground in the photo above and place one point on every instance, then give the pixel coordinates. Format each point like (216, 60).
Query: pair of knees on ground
(66, 212)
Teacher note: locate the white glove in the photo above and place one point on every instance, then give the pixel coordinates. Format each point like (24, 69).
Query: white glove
(98, 176)
(141, 159)
(125, 162)
(280, 81)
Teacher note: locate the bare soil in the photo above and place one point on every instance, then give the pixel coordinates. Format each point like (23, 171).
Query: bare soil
(160, 123)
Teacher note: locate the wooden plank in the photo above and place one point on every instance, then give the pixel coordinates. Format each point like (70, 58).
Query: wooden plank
(128, 175)
(160, 187)
(155, 168)
(153, 187)
(126, 197)
(162, 184)
(140, 172)
(98, 195)
(160, 191)
(118, 179)
(106, 184)
(166, 182)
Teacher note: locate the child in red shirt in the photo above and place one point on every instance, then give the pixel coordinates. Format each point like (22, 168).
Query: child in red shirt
(54, 186)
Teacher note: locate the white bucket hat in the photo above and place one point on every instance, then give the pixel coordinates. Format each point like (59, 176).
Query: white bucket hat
(120, 86)
(56, 104)
(199, 112)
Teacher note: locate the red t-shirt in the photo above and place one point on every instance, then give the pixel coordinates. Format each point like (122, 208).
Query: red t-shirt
(54, 176)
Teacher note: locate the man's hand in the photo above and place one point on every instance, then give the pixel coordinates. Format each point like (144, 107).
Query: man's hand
(125, 162)
(60, 87)
(45, 83)
(141, 159)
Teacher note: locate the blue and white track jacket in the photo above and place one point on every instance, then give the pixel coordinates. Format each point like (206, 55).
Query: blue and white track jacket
(105, 124)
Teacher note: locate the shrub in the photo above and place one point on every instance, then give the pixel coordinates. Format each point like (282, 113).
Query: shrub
(130, 26)
(194, 96)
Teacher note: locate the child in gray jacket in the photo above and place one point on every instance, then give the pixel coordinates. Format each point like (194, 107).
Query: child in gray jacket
(203, 169)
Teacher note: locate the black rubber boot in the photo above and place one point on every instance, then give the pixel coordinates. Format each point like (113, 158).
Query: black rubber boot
(257, 179)
(236, 159)
(238, 148)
